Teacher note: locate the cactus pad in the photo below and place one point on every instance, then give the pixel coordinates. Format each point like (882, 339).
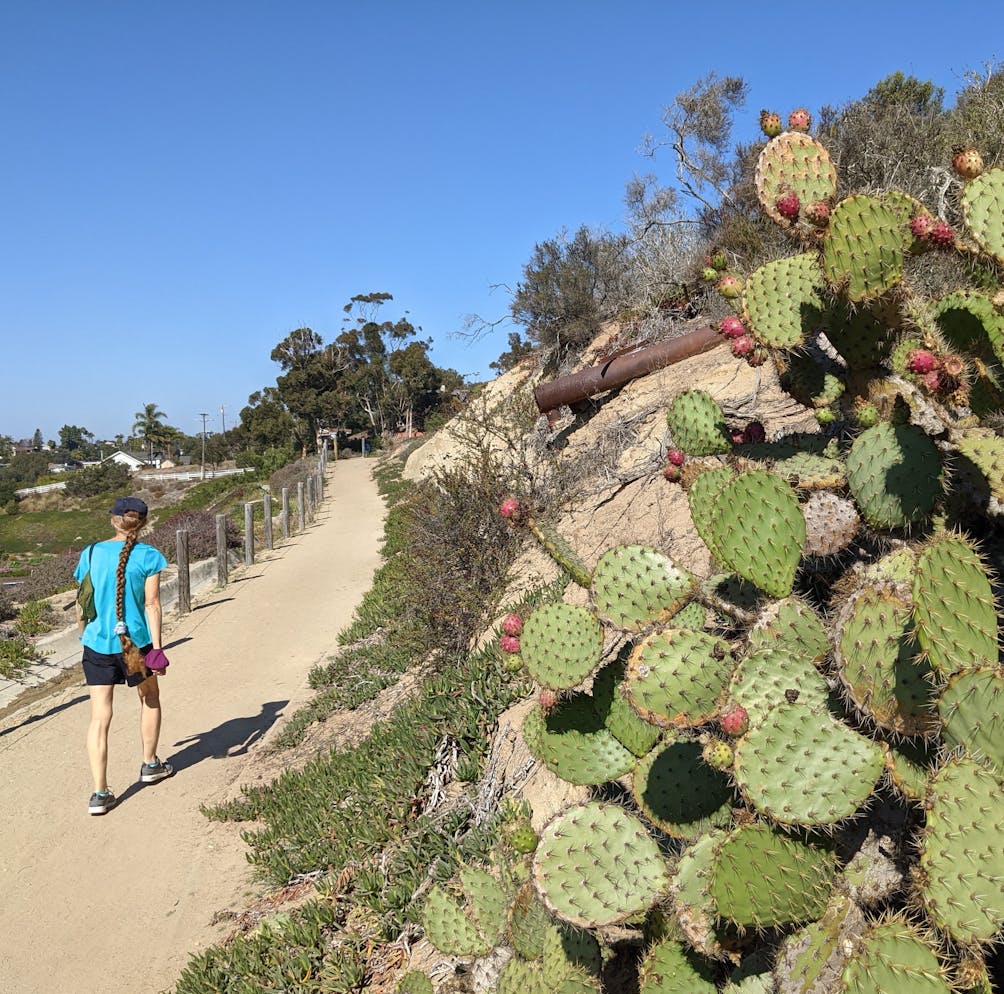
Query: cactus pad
(596, 865)
(466, 931)
(792, 625)
(986, 452)
(698, 424)
(561, 645)
(794, 163)
(983, 207)
(759, 530)
(831, 522)
(954, 607)
(573, 743)
(864, 247)
(782, 301)
(762, 878)
(771, 675)
(701, 497)
(894, 473)
(679, 792)
(970, 322)
(621, 720)
(962, 859)
(860, 334)
(675, 677)
(669, 967)
(800, 766)
(892, 957)
(972, 709)
(877, 660)
(694, 911)
(909, 770)
(635, 586)
(811, 470)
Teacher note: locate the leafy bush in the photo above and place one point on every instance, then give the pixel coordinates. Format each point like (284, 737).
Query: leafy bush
(34, 618)
(291, 474)
(16, 655)
(52, 575)
(94, 480)
(270, 461)
(201, 528)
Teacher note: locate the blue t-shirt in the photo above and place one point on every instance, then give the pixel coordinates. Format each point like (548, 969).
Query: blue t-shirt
(102, 560)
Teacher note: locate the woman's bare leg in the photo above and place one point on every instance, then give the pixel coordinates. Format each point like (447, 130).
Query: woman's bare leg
(149, 716)
(97, 735)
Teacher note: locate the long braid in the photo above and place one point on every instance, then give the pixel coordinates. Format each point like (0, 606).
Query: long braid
(130, 653)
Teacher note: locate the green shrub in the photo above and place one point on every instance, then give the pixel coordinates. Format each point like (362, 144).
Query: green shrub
(16, 655)
(94, 480)
(34, 618)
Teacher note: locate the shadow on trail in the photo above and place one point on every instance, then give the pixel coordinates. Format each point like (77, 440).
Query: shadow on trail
(45, 714)
(233, 738)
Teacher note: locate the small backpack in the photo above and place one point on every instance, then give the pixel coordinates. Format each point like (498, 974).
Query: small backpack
(86, 611)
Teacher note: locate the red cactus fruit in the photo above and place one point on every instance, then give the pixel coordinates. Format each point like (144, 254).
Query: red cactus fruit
(799, 120)
(932, 380)
(742, 346)
(738, 437)
(548, 700)
(754, 433)
(967, 162)
(941, 235)
(676, 456)
(818, 213)
(732, 327)
(921, 361)
(770, 123)
(730, 286)
(736, 721)
(788, 206)
(509, 508)
(921, 225)
(509, 643)
(512, 624)
(672, 473)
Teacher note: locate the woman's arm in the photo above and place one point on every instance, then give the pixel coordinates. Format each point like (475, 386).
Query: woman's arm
(154, 614)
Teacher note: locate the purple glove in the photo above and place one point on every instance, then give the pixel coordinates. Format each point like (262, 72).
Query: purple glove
(156, 661)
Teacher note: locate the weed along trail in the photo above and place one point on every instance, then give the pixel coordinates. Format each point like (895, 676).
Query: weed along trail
(118, 903)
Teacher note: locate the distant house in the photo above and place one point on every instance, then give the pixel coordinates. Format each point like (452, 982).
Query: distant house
(65, 466)
(133, 461)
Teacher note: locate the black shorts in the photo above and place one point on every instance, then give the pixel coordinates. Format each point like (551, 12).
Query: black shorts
(108, 669)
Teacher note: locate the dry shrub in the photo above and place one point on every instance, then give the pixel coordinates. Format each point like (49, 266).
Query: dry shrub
(201, 528)
(49, 577)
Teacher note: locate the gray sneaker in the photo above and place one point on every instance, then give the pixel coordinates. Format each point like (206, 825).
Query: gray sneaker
(101, 802)
(152, 772)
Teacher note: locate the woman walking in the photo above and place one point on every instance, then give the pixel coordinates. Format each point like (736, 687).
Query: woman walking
(122, 643)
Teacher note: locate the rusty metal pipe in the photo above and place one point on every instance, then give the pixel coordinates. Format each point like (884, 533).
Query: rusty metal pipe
(618, 371)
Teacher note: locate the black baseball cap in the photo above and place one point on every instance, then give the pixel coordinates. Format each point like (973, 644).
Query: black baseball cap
(123, 504)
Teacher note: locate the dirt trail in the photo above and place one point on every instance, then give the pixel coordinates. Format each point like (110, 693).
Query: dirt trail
(117, 904)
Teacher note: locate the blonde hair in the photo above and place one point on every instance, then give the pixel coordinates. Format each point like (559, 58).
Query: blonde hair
(131, 523)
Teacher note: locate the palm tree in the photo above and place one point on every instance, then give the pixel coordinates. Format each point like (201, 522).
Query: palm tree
(148, 424)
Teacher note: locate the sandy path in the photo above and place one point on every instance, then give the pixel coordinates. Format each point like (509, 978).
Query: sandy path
(118, 903)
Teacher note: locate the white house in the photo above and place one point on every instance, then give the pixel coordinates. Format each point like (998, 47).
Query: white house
(133, 461)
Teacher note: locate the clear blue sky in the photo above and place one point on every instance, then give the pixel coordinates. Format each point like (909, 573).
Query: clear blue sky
(182, 183)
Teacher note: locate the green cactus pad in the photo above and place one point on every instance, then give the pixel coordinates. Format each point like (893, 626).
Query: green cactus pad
(528, 923)
(783, 305)
(897, 566)
(878, 660)
(810, 960)
(694, 615)
(771, 675)
(621, 720)
(566, 952)
(961, 857)
(679, 792)
(414, 982)
(466, 931)
(811, 471)
(698, 424)
(794, 163)
(762, 878)
(972, 709)
(521, 977)
(635, 586)
(908, 767)
(894, 474)
(800, 766)
(596, 865)
(971, 323)
(701, 498)
(864, 247)
(693, 908)
(861, 334)
(574, 743)
(893, 957)
(561, 645)
(983, 208)
(954, 607)
(791, 625)
(986, 452)
(759, 530)
(676, 677)
(809, 383)
(671, 968)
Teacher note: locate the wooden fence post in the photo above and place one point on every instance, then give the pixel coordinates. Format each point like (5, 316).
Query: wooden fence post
(222, 566)
(249, 534)
(285, 514)
(267, 504)
(300, 512)
(184, 576)
(310, 498)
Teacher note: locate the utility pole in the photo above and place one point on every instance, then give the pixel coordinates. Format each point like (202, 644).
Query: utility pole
(223, 418)
(204, 416)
